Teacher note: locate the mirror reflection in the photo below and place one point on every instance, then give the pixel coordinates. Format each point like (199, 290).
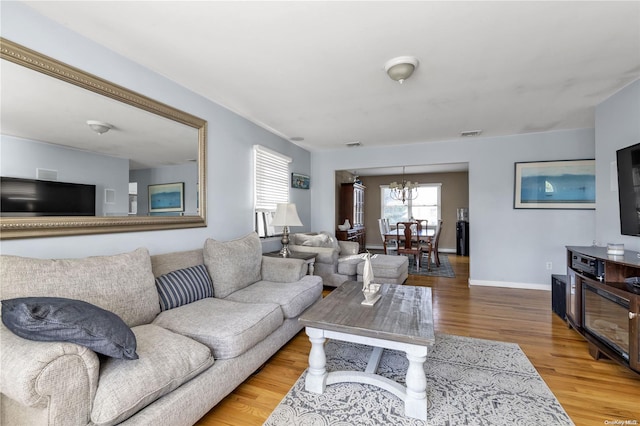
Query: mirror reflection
(145, 159)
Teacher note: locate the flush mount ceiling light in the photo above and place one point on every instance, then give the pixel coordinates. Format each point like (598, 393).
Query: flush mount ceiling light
(99, 127)
(401, 68)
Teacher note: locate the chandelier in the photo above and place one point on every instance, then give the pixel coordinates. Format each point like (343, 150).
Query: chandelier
(404, 191)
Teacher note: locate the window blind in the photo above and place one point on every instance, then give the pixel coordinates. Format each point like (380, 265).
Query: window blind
(271, 171)
(272, 178)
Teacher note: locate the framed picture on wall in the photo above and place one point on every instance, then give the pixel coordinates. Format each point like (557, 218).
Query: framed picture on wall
(299, 181)
(167, 197)
(568, 184)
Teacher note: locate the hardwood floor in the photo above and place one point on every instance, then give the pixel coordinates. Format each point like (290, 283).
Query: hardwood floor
(592, 392)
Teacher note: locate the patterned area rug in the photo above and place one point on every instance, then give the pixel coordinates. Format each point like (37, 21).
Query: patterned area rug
(469, 382)
(444, 270)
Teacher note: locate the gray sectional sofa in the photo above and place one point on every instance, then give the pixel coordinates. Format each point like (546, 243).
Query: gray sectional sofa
(192, 349)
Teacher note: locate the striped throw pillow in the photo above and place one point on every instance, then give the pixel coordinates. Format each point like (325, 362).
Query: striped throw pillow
(184, 286)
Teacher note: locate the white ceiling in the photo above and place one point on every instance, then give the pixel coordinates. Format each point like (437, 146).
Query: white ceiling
(315, 69)
(60, 117)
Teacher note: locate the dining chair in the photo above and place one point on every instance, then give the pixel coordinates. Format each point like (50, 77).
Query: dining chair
(422, 224)
(409, 241)
(383, 224)
(431, 246)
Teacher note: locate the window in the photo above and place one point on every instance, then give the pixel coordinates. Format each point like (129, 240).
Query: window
(425, 206)
(271, 171)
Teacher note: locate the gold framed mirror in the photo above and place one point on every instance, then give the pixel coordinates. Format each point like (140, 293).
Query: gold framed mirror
(149, 141)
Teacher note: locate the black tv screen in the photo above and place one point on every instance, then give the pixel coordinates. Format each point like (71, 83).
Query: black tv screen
(629, 189)
(30, 197)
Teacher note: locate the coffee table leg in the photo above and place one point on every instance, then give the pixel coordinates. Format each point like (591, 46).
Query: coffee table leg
(317, 373)
(415, 404)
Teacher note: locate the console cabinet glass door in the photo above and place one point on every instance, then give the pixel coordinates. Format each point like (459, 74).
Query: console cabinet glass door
(352, 204)
(358, 207)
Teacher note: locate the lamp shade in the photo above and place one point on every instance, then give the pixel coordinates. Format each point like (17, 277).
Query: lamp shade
(286, 215)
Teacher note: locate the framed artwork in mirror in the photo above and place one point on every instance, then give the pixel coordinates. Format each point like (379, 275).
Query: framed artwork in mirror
(166, 198)
(567, 184)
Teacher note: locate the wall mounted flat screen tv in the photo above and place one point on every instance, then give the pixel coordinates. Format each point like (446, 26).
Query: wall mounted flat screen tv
(29, 197)
(629, 189)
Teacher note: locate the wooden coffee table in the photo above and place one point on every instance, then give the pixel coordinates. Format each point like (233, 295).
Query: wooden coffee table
(401, 320)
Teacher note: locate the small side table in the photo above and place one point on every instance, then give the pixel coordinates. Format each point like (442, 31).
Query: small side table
(309, 258)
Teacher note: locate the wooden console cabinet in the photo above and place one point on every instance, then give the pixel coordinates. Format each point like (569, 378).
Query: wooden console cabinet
(601, 306)
(351, 208)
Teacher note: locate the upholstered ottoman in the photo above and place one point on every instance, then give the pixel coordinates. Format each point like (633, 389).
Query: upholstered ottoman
(348, 265)
(387, 269)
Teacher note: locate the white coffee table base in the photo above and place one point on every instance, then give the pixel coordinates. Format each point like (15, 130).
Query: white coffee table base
(414, 394)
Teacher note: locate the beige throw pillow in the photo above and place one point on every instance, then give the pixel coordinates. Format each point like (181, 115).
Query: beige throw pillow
(312, 240)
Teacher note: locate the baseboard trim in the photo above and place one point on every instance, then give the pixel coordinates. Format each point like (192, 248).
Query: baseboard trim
(505, 284)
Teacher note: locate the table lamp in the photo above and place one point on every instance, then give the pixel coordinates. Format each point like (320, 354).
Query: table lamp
(286, 216)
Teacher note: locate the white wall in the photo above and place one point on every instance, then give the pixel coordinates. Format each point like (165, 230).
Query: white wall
(508, 247)
(617, 126)
(230, 143)
(72, 165)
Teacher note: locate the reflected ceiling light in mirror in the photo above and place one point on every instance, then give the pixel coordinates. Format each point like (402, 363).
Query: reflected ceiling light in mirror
(399, 69)
(99, 126)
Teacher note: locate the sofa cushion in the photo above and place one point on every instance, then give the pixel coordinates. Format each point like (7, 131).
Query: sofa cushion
(233, 264)
(167, 262)
(166, 361)
(183, 286)
(293, 298)
(56, 319)
(319, 240)
(229, 328)
(332, 241)
(121, 283)
(283, 269)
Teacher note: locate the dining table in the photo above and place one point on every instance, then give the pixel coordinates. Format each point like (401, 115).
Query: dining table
(425, 236)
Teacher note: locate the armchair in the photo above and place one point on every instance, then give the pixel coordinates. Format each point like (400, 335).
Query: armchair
(336, 261)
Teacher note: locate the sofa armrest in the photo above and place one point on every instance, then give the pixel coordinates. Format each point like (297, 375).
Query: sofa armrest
(348, 247)
(58, 377)
(282, 270)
